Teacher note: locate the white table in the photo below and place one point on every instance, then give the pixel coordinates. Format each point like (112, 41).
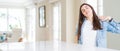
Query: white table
(48, 46)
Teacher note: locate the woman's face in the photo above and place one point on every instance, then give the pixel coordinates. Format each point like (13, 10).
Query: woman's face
(87, 11)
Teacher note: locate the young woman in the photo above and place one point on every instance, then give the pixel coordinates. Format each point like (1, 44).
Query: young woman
(92, 29)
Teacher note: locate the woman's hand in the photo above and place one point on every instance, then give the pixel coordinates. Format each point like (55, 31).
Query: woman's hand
(105, 18)
(76, 39)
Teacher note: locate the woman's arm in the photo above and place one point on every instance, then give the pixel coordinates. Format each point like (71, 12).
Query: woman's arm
(112, 26)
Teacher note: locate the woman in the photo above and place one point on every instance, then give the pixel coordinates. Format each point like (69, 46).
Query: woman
(92, 29)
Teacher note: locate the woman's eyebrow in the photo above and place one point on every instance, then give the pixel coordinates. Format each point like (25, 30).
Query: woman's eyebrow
(82, 9)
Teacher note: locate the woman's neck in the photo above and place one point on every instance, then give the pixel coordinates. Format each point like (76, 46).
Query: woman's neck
(90, 19)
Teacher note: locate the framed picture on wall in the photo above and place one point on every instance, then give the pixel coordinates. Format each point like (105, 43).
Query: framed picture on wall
(42, 16)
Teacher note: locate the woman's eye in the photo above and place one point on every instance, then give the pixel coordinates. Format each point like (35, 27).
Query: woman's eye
(83, 10)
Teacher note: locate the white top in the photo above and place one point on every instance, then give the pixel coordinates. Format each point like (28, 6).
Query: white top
(48, 46)
(89, 35)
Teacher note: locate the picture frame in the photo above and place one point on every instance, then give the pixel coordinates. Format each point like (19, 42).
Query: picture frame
(42, 16)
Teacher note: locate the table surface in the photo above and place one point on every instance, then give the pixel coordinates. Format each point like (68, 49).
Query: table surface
(48, 46)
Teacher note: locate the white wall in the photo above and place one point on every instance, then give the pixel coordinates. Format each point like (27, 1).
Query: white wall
(63, 20)
(43, 34)
(70, 20)
(112, 8)
(72, 15)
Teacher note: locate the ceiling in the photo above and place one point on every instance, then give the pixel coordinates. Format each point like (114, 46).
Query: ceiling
(17, 2)
(13, 1)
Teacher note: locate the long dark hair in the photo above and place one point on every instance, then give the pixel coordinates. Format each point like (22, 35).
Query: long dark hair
(96, 22)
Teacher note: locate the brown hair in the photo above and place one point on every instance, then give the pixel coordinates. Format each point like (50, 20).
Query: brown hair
(96, 23)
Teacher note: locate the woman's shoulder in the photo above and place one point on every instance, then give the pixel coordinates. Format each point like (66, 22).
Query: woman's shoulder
(103, 22)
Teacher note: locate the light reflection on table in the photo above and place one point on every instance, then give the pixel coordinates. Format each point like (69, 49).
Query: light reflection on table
(48, 46)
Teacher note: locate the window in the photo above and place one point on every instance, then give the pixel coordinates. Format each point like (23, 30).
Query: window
(30, 25)
(3, 19)
(56, 21)
(42, 16)
(12, 18)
